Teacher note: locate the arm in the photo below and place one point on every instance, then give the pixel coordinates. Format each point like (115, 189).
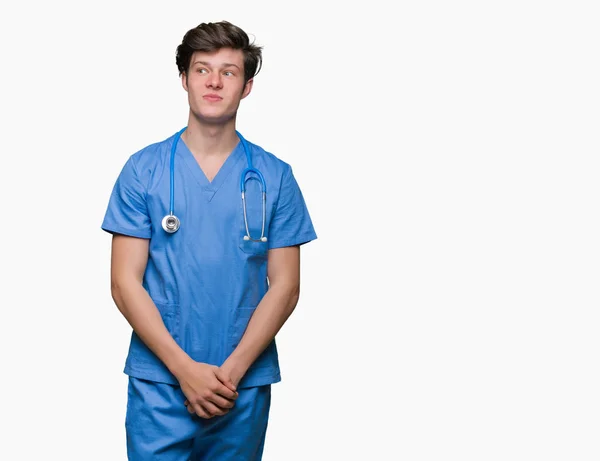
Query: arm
(283, 271)
(200, 382)
(128, 263)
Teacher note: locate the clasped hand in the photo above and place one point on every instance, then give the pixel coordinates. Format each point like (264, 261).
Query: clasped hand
(209, 391)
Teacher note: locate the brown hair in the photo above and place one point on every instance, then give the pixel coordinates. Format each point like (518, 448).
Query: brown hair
(212, 36)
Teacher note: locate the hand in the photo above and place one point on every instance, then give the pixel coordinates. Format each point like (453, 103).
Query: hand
(231, 374)
(209, 392)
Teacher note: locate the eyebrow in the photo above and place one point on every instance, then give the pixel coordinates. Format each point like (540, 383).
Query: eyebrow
(225, 64)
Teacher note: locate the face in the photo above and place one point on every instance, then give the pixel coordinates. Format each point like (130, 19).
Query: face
(215, 84)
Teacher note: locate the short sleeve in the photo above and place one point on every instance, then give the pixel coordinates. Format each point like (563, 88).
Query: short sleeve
(291, 224)
(127, 212)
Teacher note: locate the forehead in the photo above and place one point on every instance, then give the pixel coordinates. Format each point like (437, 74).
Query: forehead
(220, 57)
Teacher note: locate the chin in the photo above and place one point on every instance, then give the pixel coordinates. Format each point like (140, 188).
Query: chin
(213, 118)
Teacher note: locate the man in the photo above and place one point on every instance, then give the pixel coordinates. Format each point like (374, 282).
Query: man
(205, 278)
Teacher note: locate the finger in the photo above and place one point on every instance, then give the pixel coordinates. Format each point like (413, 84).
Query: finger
(225, 391)
(221, 402)
(213, 409)
(225, 379)
(199, 410)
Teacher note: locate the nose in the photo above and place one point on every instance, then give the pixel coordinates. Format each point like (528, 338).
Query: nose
(214, 80)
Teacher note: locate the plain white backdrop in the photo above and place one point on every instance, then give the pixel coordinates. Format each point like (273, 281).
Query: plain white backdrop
(448, 153)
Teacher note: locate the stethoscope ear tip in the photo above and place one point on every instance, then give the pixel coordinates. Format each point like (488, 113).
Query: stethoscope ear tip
(262, 239)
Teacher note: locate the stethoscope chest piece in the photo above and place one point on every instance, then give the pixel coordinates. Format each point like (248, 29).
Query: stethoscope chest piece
(170, 223)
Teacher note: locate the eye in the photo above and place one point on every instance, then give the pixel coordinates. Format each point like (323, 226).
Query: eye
(228, 73)
(202, 70)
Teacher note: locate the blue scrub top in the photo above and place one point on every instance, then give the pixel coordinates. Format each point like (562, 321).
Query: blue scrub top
(205, 279)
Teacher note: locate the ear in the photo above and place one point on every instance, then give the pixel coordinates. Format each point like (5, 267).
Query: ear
(247, 88)
(184, 81)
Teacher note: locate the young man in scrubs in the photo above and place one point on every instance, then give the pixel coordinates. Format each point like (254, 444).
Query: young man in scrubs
(204, 302)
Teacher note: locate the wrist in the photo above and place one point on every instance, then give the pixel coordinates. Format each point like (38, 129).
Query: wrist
(235, 368)
(179, 364)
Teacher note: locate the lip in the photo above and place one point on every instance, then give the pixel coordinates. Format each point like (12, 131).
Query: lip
(212, 97)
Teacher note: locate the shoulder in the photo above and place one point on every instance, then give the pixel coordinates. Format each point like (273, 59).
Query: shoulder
(148, 158)
(154, 152)
(272, 164)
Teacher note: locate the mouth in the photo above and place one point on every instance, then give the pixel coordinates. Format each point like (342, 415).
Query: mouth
(212, 97)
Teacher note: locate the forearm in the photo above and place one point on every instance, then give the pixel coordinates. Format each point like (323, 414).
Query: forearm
(268, 318)
(137, 307)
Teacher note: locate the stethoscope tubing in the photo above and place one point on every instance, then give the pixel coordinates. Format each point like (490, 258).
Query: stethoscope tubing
(171, 223)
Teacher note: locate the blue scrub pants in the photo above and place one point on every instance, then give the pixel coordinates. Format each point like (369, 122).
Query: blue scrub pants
(159, 427)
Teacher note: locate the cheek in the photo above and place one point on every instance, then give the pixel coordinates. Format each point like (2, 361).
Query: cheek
(194, 93)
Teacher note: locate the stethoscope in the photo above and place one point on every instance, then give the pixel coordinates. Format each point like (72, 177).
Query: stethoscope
(171, 223)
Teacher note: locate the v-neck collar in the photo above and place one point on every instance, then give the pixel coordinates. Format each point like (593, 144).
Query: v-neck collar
(210, 188)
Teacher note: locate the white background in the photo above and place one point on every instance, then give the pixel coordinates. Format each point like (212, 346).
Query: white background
(448, 153)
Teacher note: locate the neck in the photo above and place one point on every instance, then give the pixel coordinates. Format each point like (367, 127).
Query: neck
(210, 140)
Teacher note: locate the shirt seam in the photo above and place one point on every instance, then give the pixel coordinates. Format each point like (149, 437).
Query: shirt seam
(298, 240)
(125, 231)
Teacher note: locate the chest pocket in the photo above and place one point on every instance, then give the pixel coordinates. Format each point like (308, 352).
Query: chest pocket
(253, 248)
